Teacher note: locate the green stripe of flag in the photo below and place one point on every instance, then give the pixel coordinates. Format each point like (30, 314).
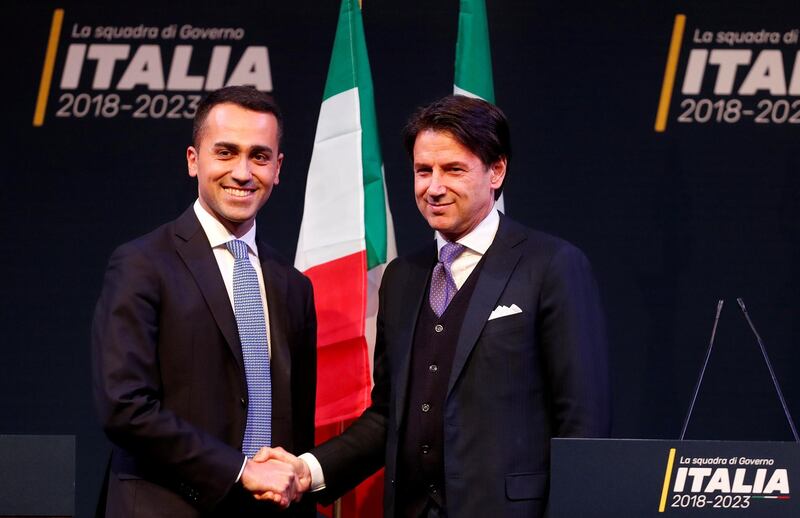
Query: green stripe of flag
(341, 72)
(473, 55)
(374, 201)
(473, 75)
(349, 69)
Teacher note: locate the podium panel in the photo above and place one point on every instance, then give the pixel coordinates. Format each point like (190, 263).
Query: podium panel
(37, 474)
(657, 478)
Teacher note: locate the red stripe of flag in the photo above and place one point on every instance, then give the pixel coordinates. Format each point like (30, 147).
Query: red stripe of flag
(343, 377)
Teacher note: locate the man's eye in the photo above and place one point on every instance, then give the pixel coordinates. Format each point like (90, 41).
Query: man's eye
(261, 158)
(224, 153)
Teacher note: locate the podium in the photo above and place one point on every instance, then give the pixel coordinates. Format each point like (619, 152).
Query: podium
(656, 478)
(38, 475)
(659, 478)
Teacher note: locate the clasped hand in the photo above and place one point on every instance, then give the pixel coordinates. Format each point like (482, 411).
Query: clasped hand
(276, 475)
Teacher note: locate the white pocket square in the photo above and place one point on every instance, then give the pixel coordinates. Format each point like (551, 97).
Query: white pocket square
(504, 311)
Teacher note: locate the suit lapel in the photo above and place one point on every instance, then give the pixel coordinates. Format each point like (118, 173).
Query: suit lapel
(194, 249)
(276, 287)
(498, 264)
(416, 280)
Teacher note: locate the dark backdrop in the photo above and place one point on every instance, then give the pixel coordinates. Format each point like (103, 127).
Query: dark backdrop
(671, 221)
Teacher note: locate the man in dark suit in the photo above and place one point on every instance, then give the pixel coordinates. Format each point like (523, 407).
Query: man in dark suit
(489, 343)
(204, 339)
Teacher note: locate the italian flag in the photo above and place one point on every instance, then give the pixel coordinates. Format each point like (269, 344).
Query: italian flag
(346, 236)
(346, 239)
(473, 76)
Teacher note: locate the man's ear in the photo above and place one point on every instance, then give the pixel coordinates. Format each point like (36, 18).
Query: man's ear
(191, 160)
(498, 172)
(278, 164)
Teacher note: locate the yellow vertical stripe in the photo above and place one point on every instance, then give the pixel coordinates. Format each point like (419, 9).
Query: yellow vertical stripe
(667, 478)
(47, 69)
(669, 72)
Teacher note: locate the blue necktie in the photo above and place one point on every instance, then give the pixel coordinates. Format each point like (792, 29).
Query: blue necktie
(443, 287)
(253, 335)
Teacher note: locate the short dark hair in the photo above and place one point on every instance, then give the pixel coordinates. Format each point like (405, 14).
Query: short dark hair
(246, 97)
(478, 125)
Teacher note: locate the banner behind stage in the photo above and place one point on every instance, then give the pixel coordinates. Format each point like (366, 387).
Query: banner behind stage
(665, 146)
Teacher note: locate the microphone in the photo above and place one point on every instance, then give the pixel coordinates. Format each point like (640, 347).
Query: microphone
(771, 372)
(703, 370)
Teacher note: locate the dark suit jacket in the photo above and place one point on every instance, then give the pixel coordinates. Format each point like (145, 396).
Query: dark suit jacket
(516, 381)
(169, 381)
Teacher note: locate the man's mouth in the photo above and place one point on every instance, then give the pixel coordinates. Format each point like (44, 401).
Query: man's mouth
(439, 205)
(239, 193)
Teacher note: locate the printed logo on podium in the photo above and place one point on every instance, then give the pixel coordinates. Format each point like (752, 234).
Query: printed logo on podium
(736, 482)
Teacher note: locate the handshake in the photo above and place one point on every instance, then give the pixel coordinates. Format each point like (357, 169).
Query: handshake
(276, 475)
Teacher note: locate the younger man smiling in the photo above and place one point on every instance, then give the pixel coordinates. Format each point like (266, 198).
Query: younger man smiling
(204, 339)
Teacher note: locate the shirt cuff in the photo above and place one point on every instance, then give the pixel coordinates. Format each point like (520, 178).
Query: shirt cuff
(317, 478)
(241, 470)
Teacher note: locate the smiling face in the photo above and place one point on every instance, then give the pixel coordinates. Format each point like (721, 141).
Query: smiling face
(454, 189)
(236, 163)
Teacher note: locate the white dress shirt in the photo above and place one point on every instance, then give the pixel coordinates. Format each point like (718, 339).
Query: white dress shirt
(217, 236)
(476, 242)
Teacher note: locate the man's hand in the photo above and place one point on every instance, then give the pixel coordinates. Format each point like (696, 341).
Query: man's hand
(272, 480)
(302, 475)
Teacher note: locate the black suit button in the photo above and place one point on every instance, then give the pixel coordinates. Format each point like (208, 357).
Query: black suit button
(425, 407)
(438, 328)
(433, 489)
(433, 367)
(425, 449)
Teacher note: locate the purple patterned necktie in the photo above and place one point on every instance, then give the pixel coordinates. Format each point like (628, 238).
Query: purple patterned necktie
(443, 287)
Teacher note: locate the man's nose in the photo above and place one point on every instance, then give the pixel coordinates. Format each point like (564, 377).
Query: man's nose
(241, 170)
(436, 187)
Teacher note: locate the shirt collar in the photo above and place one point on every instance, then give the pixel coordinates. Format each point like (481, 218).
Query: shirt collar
(216, 232)
(480, 238)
